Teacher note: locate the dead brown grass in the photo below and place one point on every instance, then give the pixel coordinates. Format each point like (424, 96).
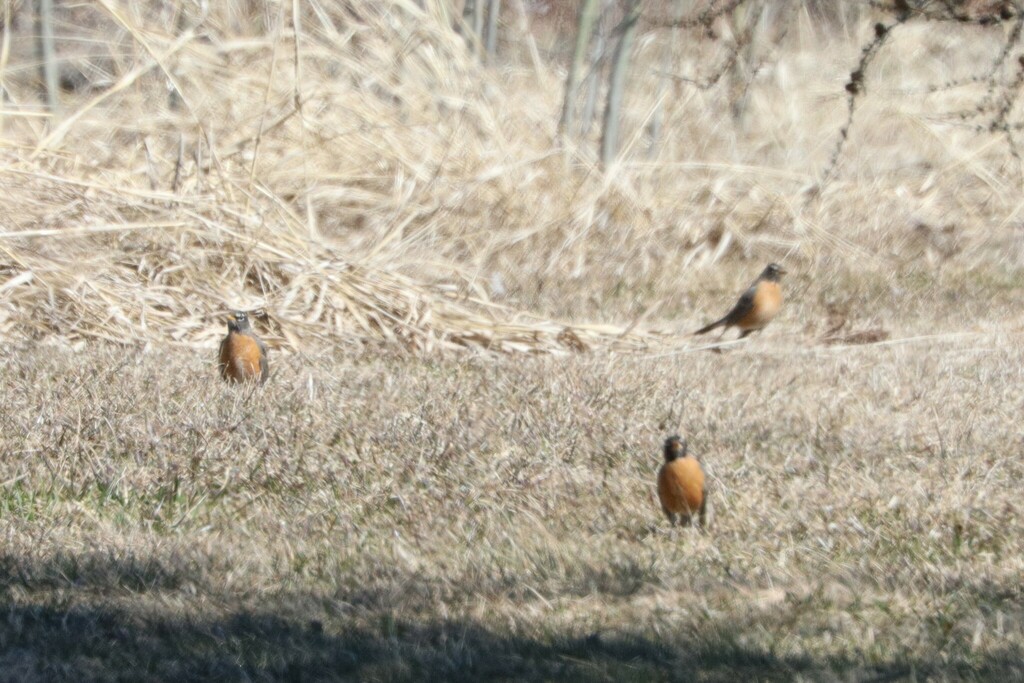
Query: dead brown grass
(387, 509)
(379, 517)
(398, 191)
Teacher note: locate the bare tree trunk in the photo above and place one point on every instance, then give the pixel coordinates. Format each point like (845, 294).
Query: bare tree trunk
(654, 129)
(584, 27)
(174, 98)
(478, 20)
(47, 54)
(467, 19)
(531, 43)
(472, 26)
(592, 85)
(493, 13)
(443, 10)
(617, 83)
(745, 21)
(5, 50)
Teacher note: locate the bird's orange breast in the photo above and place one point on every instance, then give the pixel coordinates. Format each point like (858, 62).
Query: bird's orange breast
(239, 357)
(767, 302)
(681, 485)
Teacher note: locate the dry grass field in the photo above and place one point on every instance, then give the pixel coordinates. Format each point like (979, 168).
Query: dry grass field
(379, 517)
(479, 341)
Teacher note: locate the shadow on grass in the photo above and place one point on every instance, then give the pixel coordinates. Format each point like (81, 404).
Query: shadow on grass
(138, 621)
(47, 643)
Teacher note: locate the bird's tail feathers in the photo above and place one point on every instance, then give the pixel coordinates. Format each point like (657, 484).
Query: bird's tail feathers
(708, 328)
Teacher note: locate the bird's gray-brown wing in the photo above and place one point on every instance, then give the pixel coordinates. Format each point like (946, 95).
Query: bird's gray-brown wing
(704, 509)
(264, 365)
(743, 306)
(222, 360)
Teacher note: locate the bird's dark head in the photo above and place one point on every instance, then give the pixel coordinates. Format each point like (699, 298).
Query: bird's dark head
(238, 322)
(773, 272)
(675, 447)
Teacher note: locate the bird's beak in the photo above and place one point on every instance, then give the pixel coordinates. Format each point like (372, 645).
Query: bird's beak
(782, 271)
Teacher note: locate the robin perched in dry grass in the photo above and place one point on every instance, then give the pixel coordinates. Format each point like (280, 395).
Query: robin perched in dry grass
(756, 307)
(681, 484)
(243, 355)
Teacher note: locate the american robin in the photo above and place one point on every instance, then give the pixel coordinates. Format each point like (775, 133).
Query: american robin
(756, 307)
(243, 355)
(681, 484)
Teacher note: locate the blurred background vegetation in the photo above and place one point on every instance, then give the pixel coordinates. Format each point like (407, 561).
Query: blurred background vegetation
(487, 173)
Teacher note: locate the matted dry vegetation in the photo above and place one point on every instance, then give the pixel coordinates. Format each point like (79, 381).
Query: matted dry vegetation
(382, 514)
(415, 196)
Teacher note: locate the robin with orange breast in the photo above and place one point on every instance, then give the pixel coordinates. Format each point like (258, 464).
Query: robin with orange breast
(681, 484)
(243, 355)
(756, 307)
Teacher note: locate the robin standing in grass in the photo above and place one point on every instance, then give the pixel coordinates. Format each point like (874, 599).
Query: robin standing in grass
(681, 484)
(243, 355)
(756, 307)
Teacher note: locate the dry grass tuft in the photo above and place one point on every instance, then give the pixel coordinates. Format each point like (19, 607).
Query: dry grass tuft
(363, 178)
(301, 196)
